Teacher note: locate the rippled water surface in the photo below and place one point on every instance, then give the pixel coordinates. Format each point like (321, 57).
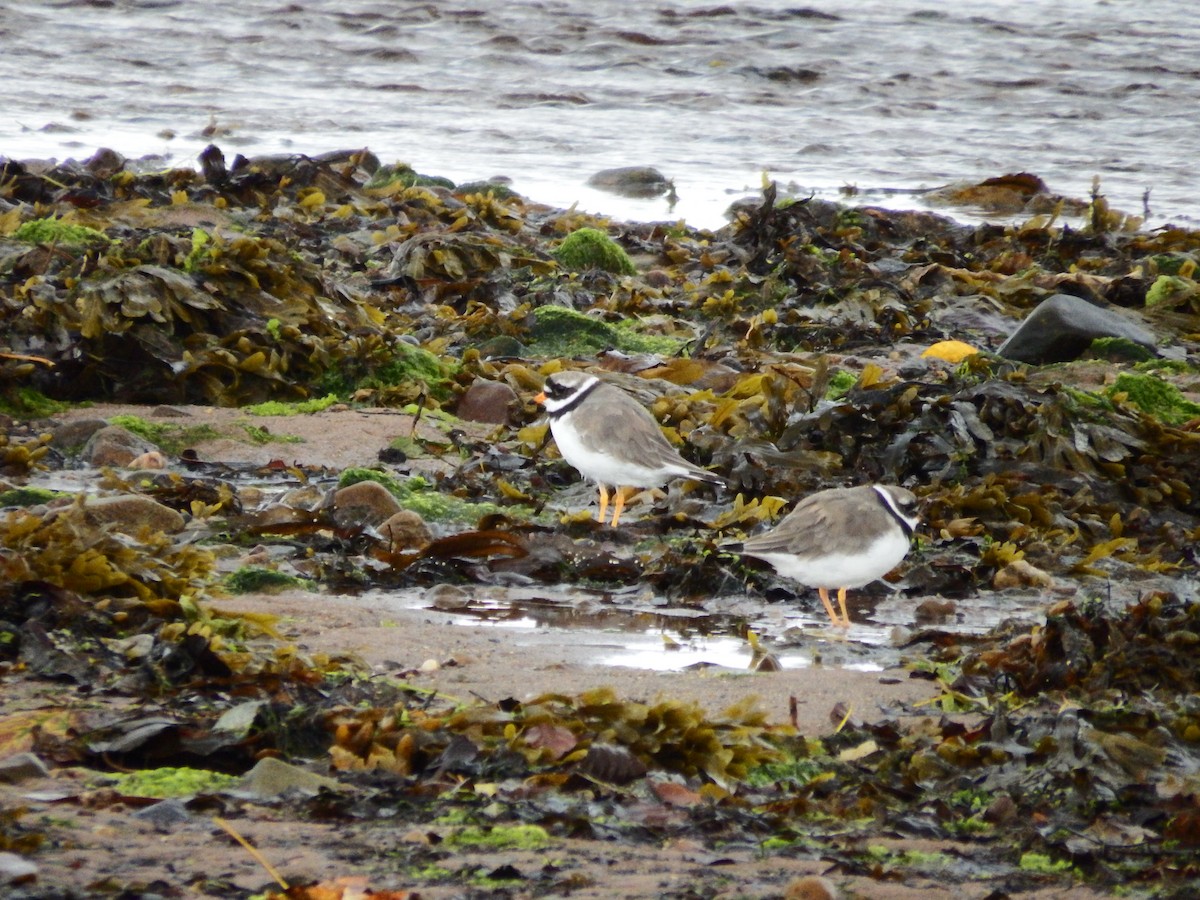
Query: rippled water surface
(882, 94)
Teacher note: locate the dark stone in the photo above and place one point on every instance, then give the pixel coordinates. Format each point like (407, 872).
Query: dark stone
(631, 181)
(363, 503)
(487, 401)
(22, 767)
(165, 816)
(1062, 328)
(114, 446)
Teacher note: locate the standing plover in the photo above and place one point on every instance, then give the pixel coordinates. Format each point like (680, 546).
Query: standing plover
(840, 538)
(611, 438)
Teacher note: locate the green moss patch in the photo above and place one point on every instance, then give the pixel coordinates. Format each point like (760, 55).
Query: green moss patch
(1156, 397)
(168, 437)
(403, 175)
(171, 782)
(297, 408)
(260, 435)
(840, 384)
(53, 230)
(500, 837)
(1169, 289)
(27, 496)
(591, 248)
(28, 403)
(259, 579)
(562, 332)
(1117, 348)
(418, 495)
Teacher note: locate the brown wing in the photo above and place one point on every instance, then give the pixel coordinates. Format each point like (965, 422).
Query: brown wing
(820, 524)
(643, 440)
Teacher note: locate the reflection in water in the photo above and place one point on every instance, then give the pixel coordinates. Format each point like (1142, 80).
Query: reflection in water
(662, 639)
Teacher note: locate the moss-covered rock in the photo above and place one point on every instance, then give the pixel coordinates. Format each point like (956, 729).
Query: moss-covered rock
(260, 579)
(1170, 289)
(591, 248)
(562, 332)
(403, 175)
(1120, 349)
(418, 495)
(1156, 397)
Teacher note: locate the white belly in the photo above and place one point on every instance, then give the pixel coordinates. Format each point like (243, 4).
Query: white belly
(848, 570)
(605, 468)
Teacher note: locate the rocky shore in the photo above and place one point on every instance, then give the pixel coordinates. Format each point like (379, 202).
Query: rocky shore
(235, 397)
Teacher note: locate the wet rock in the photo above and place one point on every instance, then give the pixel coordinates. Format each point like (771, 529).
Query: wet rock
(590, 248)
(1020, 573)
(812, 887)
(105, 163)
(632, 181)
(488, 401)
(406, 530)
(364, 503)
(130, 513)
(114, 446)
(165, 816)
(22, 767)
(502, 346)
(1063, 326)
(935, 609)
(15, 869)
(271, 778)
(447, 597)
(72, 435)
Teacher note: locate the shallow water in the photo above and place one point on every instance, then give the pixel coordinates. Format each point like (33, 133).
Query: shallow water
(880, 94)
(632, 628)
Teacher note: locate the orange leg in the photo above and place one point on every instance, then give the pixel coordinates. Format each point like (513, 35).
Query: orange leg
(618, 505)
(828, 606)
(842, 603)
(603, 503)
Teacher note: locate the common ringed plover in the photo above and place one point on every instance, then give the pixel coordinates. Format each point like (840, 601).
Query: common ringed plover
(840, 538)
(611, 438)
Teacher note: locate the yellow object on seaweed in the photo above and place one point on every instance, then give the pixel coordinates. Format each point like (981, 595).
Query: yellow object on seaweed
(951, 351)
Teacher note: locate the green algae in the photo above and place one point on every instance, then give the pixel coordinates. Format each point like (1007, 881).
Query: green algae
(1118, 348)
(170, 438)
(295, 408)
(840, 384)
(259, 435)
(418, 495)
(1173, 264)
(561, 332)
(591, 248)
(408, 364)
(1155, 397)
(1169, 289)
(404, 175)
(53, 230)
(27, 496)
(1043, 864)
(199, 252)
(500, 837)
(259, 579)
(170, 781)
(404, 364)
(30, 403)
